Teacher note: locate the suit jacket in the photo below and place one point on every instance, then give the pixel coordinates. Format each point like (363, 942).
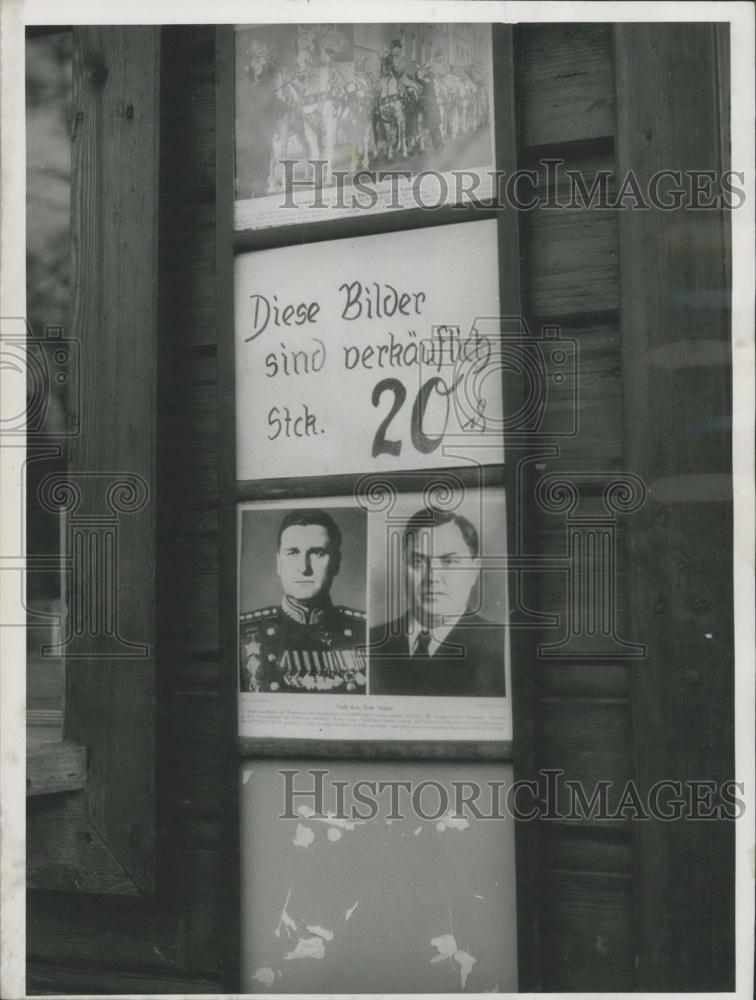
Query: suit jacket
(469, 663)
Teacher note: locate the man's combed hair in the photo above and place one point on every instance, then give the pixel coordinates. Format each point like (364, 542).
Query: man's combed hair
(430, 517)
(308, 516)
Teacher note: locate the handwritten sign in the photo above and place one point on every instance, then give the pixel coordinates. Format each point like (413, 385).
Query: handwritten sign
(368, 354)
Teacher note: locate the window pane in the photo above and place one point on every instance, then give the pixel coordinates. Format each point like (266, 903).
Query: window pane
(48, 192)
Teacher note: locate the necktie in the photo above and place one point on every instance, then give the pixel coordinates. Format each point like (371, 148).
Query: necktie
(422, 644)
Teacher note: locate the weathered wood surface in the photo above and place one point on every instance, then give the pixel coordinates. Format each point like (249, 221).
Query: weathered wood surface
(118, 932)
(586, 930)
(571, 273)
(193, 776)
(573, 267)
(55, 767)
(107, 845)
(568, 846)
(52, 978)
(580, 716)
(677, 404)
(567, 87)
(169, 943)
(65, 852)
(377, 749)
(576, 680)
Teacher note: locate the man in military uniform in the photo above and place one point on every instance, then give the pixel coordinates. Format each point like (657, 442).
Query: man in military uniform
(305, 643)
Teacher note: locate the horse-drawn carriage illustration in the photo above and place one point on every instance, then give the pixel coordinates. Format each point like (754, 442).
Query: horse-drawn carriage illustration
(352, 109)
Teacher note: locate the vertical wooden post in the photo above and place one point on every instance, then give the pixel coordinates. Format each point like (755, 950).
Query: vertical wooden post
(227, 585)
(675, 301)
(110, 702)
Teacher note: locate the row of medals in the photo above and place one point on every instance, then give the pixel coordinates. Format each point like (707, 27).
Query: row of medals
(322, 670)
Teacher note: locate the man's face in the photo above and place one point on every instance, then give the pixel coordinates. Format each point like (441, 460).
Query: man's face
(441, 573)
(306, 562)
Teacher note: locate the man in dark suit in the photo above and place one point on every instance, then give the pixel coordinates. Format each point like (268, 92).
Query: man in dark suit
(440, 647)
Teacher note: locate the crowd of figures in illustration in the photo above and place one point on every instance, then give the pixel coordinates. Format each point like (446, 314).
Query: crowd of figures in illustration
(351, 110)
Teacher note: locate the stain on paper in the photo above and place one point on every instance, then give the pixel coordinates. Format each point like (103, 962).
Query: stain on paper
(321, 932)
(311, 947)
(446, 946)
(459, 958)
(303, 836)
(266, 976)
(452, 822)
(465, 961)
(285, 920)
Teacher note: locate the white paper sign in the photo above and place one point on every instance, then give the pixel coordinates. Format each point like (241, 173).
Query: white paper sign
(369, 354)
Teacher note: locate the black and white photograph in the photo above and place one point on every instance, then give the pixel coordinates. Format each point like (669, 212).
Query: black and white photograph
(377, 498)
(438, 602)
(317, 100)
(295, 568)
(400, 597)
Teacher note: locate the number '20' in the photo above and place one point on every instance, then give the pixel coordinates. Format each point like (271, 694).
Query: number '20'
(421, 441)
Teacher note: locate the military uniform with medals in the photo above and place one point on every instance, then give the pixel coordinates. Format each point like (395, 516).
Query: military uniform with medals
(295, 648)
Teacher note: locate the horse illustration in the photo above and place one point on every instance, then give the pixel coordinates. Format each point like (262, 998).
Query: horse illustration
(269, 116)
(390, 109)
(400, 106)
(357, 122)
(322, 92)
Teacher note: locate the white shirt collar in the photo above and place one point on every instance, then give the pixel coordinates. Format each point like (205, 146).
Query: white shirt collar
(438, 634)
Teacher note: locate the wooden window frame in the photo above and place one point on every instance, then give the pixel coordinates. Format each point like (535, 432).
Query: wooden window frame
(234, 492)
(97, 834)
(521, 750)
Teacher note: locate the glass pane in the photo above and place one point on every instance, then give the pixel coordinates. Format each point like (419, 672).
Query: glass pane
(325, 113)
(368, 877)
(48, 193)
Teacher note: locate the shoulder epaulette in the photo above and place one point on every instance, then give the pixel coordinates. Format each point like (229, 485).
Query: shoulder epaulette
(351, 612)
(262, 614)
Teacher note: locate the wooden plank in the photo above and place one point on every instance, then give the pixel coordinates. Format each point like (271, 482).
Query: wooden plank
(188, 287)
(570, 238)
(66, 853)
(587, 932)
(673, 115)
(189, 605)
(588, 413)
(187, 116)
(374, 749)
(118, 932)
(43, 725)
(189, 776)
(44, 681)
(546, 590)
(573, 263)
(579, 387)
(567, 83)
(566, 847)
(197, 885)
(184, 669)
(56, 978)
(524, 735)
(114, 315)
(55, 767)
(588, 740)
(198, 483)
(193, 834)
(228, 930)
(582, 680)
